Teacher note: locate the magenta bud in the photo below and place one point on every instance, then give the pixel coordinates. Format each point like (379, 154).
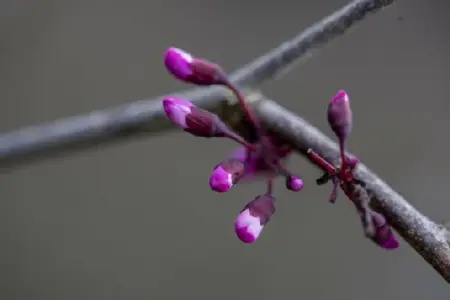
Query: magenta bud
(384, 237)
(294, 183)
(340, 115)
(178, 62)
(226, 174)
(192, 119)
(177, 110)
(190, 69)
(252, 219)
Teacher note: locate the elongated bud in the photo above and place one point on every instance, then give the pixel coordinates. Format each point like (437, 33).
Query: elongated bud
(192, 119)
(226, 174)
(294, 183)
(194, 70)
(384, 237)
(252, 219)
(340, 115)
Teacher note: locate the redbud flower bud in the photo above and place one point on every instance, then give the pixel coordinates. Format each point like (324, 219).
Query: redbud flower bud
(294, 183)
(384, 237)
(190, 69)
(252, 219)
(226, 174)
(192, 119)
(340, 115)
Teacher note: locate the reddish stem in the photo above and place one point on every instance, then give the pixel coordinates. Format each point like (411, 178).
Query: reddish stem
(246, 108)
(242, 141)
(321, 161)
(270, 184)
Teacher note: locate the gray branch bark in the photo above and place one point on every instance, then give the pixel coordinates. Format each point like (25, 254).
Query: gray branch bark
(429, 239)
(146, 117)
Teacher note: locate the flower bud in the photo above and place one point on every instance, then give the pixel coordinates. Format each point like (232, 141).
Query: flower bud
(384, 237)
(226, 174)
(294, 183)
(192, 119)
(340, 115)
(177, 110)
(189, 69)
(252, 219)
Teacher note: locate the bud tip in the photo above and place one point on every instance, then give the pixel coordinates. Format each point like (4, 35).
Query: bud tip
(178, 62)
(176, 110)
(247, 227)
(220, 181)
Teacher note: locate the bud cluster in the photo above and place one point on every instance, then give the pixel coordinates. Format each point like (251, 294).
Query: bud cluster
(266, 156)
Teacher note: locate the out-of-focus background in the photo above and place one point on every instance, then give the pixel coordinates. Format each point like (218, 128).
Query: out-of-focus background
(136, 220)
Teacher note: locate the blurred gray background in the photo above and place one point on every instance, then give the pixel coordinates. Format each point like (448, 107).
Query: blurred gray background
(136, 220)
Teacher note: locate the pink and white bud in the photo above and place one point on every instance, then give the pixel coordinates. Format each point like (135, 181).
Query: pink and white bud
(294, 183)
(193, 119)
(252, 219)
(226, 174)
(177, 110)
(178, 63)
(194, 70)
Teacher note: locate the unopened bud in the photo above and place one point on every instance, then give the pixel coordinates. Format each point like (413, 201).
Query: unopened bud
(190, 69)
(384, 237)
(252, 219)
(192, 119)
(340, 115)
(294, 183)
(226, 174)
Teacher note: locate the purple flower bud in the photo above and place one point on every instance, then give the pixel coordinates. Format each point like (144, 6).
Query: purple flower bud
(384, 237)
(340, 115)
(192, 119)
(177, 110)
(294, 183)
(252, 219)
(178, 62)
(226, 174)
(190, 69)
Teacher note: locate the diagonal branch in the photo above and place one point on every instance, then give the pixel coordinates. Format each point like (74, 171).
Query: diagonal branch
(147, 116)
(430, 240)
(144, 117)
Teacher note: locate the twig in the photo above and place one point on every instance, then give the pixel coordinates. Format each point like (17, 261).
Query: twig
(147, 116)
(429, 239)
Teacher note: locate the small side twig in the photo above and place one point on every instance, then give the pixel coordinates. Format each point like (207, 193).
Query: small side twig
(429, 239)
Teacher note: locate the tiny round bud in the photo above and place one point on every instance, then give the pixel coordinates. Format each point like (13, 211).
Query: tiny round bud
(226, 174)
(252, 219)
(340, 115)
(177, 110)
(178, 63)
(294, 183)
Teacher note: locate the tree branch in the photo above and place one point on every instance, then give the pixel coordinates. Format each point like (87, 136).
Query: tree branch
(147, 116)
(429, 239)
(144, 117)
